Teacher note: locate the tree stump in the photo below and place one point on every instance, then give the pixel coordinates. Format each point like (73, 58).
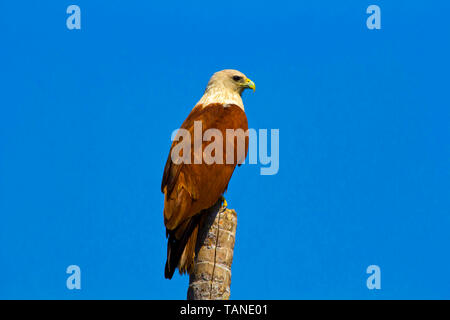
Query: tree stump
(210, 278)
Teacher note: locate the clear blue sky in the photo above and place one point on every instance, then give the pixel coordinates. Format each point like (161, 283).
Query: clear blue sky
(364, 119)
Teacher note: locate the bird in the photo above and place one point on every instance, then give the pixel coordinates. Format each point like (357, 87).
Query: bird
(191, 186)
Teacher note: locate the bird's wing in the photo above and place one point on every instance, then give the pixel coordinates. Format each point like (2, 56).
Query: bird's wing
(190, 188)
(172, 170)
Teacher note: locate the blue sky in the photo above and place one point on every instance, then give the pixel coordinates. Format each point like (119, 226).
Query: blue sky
(85, 123)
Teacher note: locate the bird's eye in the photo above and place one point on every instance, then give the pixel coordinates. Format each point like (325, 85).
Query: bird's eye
(237, 78)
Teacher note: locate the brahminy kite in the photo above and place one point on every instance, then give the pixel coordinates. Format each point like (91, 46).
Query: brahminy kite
(194, 183)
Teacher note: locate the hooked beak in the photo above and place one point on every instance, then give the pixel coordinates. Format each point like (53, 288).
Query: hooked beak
(250, 84)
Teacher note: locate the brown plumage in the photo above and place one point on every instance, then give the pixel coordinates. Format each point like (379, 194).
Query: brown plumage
(190, 188)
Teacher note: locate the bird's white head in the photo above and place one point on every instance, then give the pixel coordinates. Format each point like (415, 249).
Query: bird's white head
(226, 87)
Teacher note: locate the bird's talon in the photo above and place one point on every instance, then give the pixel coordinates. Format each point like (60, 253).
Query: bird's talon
(224, 202)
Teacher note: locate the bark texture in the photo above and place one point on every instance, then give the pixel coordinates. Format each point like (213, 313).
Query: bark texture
(210, 278)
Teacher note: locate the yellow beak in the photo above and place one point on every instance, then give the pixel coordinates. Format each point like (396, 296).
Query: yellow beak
(250, 84)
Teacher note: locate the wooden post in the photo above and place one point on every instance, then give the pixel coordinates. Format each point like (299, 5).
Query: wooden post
(210, 278)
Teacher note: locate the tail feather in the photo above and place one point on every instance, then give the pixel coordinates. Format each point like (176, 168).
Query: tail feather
(176, 247)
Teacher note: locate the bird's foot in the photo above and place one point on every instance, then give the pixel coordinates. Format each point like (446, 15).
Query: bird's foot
(224, 202)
